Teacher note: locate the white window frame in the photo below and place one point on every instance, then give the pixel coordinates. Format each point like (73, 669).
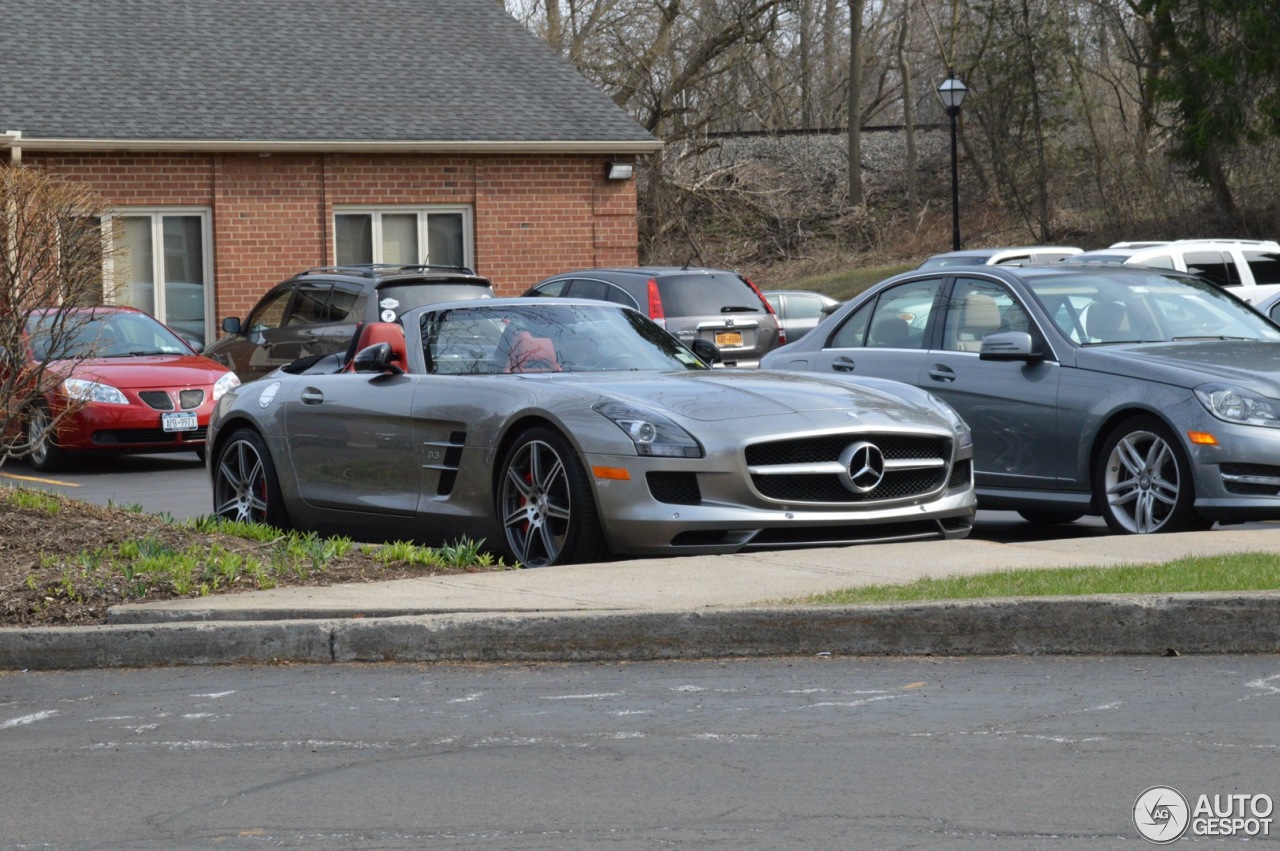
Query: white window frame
(157, 216)
(423, 211)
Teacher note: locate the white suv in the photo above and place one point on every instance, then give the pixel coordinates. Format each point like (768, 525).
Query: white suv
(1247, 268)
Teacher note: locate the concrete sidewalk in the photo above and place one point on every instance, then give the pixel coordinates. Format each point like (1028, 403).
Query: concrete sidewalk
(690, 607)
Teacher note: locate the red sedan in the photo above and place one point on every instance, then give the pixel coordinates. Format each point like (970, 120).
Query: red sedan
(125, 383)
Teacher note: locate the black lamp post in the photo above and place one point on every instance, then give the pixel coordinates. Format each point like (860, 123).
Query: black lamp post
(952, 92)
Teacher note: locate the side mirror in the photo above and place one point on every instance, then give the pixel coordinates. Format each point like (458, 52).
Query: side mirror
(231, 324)
(828, 309)
(376, 358)
(706, 350)
(1009, 345)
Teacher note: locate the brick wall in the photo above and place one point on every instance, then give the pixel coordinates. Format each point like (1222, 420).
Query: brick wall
(273, 214)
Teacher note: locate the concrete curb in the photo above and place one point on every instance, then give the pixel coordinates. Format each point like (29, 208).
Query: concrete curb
(1119, 625)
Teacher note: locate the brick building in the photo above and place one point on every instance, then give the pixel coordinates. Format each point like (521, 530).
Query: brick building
(242, 140)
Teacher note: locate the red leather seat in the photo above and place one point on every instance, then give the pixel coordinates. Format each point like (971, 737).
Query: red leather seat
(384, 332)
(532, 354)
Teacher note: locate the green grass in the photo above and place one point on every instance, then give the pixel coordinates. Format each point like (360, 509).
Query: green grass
(1233, 572)
(844, 285)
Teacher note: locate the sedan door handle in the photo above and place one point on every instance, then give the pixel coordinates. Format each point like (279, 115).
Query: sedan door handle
(942, 373)
(311, 396)
(843, 364)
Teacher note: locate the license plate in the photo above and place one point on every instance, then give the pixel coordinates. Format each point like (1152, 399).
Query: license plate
(728, 338)
(178, 422)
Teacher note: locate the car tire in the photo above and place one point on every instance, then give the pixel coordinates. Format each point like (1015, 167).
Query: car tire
(245, 485)
(1050, 518)
(545, 504)
(1143, 483)
(46, 456)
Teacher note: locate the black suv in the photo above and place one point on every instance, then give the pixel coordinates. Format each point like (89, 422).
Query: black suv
(317, 312)
(708, 304)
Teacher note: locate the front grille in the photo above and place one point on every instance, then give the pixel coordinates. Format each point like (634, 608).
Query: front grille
(674, 488)
(896, 447)
(157, 399)
(190, 399)
(915, 465)
(896, 484)
(961, 475)
(134, 436)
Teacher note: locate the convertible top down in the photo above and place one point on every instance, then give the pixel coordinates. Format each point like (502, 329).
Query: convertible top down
(560, 431)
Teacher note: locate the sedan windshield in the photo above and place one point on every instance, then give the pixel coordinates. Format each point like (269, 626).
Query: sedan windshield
(1096, 308)
(78, 334)
(526, 338)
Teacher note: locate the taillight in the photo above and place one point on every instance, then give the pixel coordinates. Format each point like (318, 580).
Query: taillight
(655, 304)
(768, 308)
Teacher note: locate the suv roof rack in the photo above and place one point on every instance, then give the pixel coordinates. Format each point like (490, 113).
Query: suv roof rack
(374, 270)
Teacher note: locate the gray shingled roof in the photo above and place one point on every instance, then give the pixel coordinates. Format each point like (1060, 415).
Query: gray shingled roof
(437, 71)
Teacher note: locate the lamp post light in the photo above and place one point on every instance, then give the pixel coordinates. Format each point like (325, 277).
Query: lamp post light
(952, 92)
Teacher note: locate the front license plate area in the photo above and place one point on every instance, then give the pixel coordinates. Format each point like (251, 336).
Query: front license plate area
(728, 338)
(178, 421)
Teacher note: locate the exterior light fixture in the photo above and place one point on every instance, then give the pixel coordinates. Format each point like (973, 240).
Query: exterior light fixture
(619, 171)
(952, 92)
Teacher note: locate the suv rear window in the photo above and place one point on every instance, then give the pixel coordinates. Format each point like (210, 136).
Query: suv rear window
(410, 293)
(704, 295)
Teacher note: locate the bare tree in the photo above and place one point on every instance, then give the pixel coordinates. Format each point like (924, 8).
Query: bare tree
(53, 253)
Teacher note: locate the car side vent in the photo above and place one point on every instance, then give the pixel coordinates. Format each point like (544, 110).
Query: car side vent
(445, 456)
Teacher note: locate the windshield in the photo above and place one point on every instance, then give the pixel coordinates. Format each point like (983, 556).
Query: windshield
(82, 334)
(1097, 308)
(520, 338)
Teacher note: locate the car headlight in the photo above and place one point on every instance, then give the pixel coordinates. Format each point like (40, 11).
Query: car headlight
(1237, 405)
(83, 390)
(651, 432)
(223, 384)
(964, 435)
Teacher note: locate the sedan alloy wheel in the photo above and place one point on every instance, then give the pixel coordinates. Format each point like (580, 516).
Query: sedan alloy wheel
(1145, 483)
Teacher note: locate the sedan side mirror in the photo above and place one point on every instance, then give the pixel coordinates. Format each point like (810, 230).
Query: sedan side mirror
(706, 350)
(1009, 345)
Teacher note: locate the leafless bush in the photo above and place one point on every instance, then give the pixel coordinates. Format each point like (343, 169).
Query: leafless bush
(53, 253)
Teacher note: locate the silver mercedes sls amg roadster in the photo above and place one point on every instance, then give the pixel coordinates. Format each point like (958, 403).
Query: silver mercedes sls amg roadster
(565, 431)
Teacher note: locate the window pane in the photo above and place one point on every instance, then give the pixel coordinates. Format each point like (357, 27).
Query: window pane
(901, 316)
(137, 283)
(400, 238)
(354, 239)
(311, 305)
(978, 308)
(444, 240)
(184, 276)
(1265, 266)
(1213, 267)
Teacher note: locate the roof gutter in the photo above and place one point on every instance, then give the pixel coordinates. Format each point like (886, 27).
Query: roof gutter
(406, 146)
(12, 139)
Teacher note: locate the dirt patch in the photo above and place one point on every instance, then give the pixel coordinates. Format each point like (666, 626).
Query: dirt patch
(49, 577)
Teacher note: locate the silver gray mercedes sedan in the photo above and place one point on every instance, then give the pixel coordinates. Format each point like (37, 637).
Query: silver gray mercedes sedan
(560, 431)
(1147, 396)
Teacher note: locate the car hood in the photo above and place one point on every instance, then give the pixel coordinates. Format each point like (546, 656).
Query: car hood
(150, 371)
(1251, 363)
(728, 394)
